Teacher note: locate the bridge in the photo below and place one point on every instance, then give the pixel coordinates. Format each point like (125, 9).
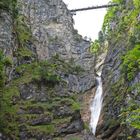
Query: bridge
(73, 11)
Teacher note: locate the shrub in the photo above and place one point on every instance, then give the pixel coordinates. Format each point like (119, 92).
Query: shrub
(1, 69)
(7, 4)
(131, 63)
(95, 46)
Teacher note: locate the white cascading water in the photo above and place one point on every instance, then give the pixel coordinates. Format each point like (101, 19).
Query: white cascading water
(96, 105)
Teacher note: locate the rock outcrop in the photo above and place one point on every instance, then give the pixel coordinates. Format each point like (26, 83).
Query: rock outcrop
(51, 25)
(46, 64)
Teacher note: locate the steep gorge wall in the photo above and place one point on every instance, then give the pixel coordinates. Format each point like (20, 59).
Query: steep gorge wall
(121, 73)
(44, 64)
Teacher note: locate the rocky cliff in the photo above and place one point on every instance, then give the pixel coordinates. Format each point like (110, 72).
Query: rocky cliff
(44, 66)
(121, 73)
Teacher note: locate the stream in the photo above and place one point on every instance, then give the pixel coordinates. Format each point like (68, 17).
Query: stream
(96, 105)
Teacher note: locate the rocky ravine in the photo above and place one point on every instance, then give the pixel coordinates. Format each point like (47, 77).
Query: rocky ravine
(45, 64)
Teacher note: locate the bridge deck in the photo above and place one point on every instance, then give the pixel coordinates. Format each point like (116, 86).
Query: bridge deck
(93, 7)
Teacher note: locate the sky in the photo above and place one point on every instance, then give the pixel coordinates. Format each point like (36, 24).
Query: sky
(88, 23)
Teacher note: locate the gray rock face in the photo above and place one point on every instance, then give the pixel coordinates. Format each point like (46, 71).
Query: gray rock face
(75, 125)
(44, 112)
(114, 97)
(51, 25)
(43, 120)
(6, 32)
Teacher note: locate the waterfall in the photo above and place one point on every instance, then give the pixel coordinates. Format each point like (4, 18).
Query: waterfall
(96, 104)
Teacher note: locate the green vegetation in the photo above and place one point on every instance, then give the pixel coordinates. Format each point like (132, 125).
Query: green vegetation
(4, 62)
(86, 126)
(22, 30)
(131, 63)
(8, 121)
(1, 69)
(24, 53)
(131, 115)
(67, 67)
(99, 45)
(122, 30)
(47, 129)
(74, 138)
(43, 72)
(131, 66)
(111, 16)
(50, 73)
(95, 46)
(7, 4)
(8, 116)
(73, 104)
(136, 3)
